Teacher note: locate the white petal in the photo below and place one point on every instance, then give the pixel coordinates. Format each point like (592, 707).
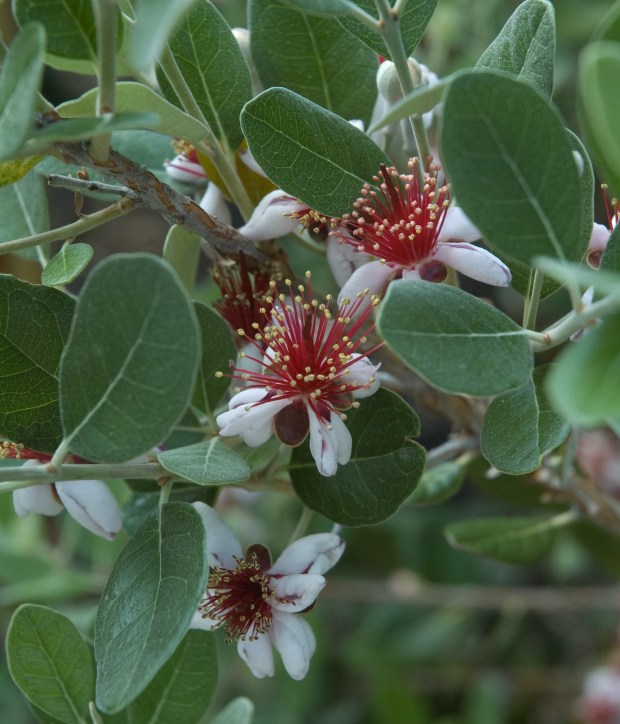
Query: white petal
(329, 446)
(374, 276)
(343, 259)
(204, 622)
(249, 160)
(223, 546)
(599, 238)
(92, 504)
(474, 262)
(363, 372)
(341, 432)
(413, 275)
(458, 227)
(258, 655)
(214, 203)
(186, 171)
(295, 641)
(252, 422)
(296, 591)
(268, 221)
(36, 499)
(357, 123)
(312, 554)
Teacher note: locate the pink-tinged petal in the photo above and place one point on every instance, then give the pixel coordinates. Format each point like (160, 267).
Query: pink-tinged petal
(312, 554)
(249, 160)
(343, 259)
(214, 203)
(363, 372)
(36, 499)
(374, 276)
(457, 227)
(258, 655)
(295, 592)
(295, 641)
(322, 447)
(599, 238)
(269, 219)
(223, 546)
(92, 504)
(203, 622)
(474, 262)
(186, 171)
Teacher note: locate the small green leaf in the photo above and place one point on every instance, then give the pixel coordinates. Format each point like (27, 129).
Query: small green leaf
(525, 45)
(20, 82)
(584, 384)
(513, 540)
(239, 711)
(521, 426)
(438, 484)
(504, 148)
(75, 129)
(206, 463)
(218, 350)
(24, 211)
(182, 689)
(214, 68)
(12, 171)
(182, 252)
(311, 153)
(34, 328)
(68, 264)
(313, 57)
(129, 368)
(457, 342)
(51, 663)
(385, 465)
(412, 23)
(148, 602)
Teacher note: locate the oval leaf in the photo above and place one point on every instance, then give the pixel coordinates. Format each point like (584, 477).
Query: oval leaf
(504, 147)
(148, 602)
(51, 663)
(65, 266)
(513, 540)
(457, 342)
(309, 152)
(129, 368)
(438, 484)
(239, 711)
(24, 211)
(34, 328)
(206, 463)
(521, 426)
(385, 465)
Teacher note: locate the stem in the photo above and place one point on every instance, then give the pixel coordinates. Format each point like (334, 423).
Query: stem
(533, 300)
(164, 493)
(212, 146)
(86, 223)
(302, 524)
(57, 459)
(78, 184)
(566, 518)
(105, 22)
(451, 449)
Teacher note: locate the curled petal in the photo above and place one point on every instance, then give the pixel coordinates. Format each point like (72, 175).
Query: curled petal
(214, 203)
(295, 641)
(329, 445)
(223, 546)
(269, 219)
(363, 372)
(258, 655)
(474, 262)
(92, 504)
(599, 238)
(182, 169)
(374, 276)
(245, 416)
(36, 499)
(343, 259)
(295, 592)
(457, 227)
(311, 554)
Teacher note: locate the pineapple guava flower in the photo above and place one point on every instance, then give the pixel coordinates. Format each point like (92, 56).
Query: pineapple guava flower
(258, 603)
(310, 373)
(185, 166)
(412, 233)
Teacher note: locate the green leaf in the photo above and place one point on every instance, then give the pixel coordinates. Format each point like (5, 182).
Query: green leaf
(609, 27)
(218, 350)
(603, 280)
(183, 688)
(129, 368)
(51, 663)
(239, 711)
(206, 463)
(12, 171)
(24, 212)
(525, 45)
(521, 426)
(75, 129)
(22, 72)
(504, 148)
(413, 21)
(584, 384)
(311, 153)
(68, 264)
(148, 602)
(455, 341)
(438, 484)
(34, 328)
(182, 252)
(155, 19)
(213, 66)
(134, 97)
(385, 465)
(597, 82)
(611, 256)
(313, 57)
(514, 540)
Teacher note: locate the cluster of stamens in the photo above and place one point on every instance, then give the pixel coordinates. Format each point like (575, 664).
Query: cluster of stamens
(399, 223)
(18, 451)
(312, 221)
